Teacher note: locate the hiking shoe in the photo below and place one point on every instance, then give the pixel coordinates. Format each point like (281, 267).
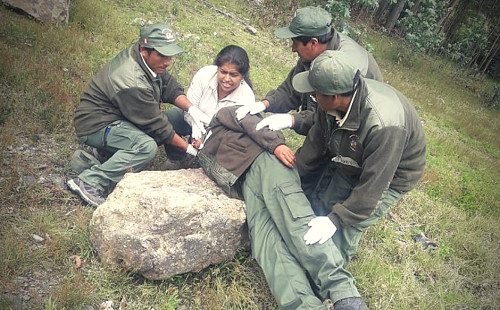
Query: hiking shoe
(351, 303)
(87, 193)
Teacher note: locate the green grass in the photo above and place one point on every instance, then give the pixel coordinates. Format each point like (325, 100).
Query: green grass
(44, 69)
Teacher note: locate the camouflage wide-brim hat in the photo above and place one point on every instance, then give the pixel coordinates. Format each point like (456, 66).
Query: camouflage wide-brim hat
(308, 22)
(330, 74)
(161, 38)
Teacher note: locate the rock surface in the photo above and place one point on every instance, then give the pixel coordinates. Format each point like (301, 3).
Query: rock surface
(163, 223)
(47, 11)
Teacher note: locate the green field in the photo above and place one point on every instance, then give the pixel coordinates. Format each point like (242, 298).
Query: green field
(43, 71)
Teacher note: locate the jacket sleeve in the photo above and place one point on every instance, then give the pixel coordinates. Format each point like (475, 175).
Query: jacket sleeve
(139, 106)
(171, 89)
(381, 158)
(311, 156)
(284, 98)
(303, 121)
(266, 138)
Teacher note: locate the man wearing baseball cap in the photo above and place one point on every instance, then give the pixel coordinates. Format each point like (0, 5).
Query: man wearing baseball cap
(312, 33)
(365, 150)
(120, 117)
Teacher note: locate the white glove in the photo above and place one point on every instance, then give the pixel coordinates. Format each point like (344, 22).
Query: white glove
(252, 108)
(196, 132)
(321, 230)
(199, 118)
(191, 150)
(276, 122)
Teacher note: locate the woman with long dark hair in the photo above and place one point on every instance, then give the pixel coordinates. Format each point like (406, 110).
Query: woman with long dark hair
(225, 83)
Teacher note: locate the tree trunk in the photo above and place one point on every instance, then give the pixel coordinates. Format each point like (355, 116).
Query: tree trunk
(491, 55)
(448, 14)
(416, 7)
(394, 15)
(381, 12)
(458, 14)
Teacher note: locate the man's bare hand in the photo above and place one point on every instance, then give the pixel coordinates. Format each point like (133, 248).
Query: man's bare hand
(285, 155)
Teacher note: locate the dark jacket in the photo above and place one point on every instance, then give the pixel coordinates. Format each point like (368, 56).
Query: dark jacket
(233, 145)
(380, 144)
(285, 98)
(125, 89)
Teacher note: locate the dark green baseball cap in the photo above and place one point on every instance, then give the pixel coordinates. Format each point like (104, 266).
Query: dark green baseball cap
(330, 74)
(161, 38)
(309, 21)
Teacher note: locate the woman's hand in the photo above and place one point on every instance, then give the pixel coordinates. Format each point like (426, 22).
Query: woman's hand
(196, 143)
(285, 155)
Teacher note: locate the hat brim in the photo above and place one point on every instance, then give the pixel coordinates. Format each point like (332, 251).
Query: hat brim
(169, 50)
(301, 83)
(285, 33)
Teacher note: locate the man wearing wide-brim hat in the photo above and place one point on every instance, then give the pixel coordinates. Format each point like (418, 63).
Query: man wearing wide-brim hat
(120, 117)
(365, 150)
(311, 33)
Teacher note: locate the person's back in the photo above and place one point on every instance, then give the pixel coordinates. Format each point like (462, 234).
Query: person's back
(393, 109)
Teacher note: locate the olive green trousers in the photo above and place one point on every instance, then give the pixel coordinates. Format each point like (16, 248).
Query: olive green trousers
(132, 150)
(300, 276)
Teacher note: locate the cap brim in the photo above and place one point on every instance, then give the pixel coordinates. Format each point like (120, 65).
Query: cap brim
(285, 33)
(301, 83)
(169, 50)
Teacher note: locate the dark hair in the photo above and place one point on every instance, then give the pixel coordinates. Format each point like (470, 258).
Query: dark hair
(237, 56)
(148, 49)
(321, 39)
(355, 84)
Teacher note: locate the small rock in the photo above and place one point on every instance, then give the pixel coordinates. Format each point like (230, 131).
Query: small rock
(426, 242)
(251, 29)
(37, 238)
(28, 180)
(107, 305)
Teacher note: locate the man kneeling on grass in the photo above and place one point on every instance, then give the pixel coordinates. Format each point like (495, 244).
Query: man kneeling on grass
(120, 117)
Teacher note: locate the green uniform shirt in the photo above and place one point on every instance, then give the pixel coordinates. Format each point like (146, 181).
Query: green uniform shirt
(125, 89)
(381, 144)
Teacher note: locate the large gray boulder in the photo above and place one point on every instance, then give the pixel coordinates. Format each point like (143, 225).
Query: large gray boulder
(47, 11)
(163, 223)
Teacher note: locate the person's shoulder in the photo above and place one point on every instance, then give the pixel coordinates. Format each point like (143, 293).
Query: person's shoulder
(205, 73)
(247, 90)
(386, 102)
(207, 70)
(126, 72)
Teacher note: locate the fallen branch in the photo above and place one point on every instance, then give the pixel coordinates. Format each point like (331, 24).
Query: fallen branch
(248, 28)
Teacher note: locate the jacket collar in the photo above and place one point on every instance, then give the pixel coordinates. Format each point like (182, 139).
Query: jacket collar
(142, 63)
(353, 118)
(335, 41)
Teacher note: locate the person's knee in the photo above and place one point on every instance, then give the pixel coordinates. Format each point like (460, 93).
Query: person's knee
(145, 148)
(149, 149)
